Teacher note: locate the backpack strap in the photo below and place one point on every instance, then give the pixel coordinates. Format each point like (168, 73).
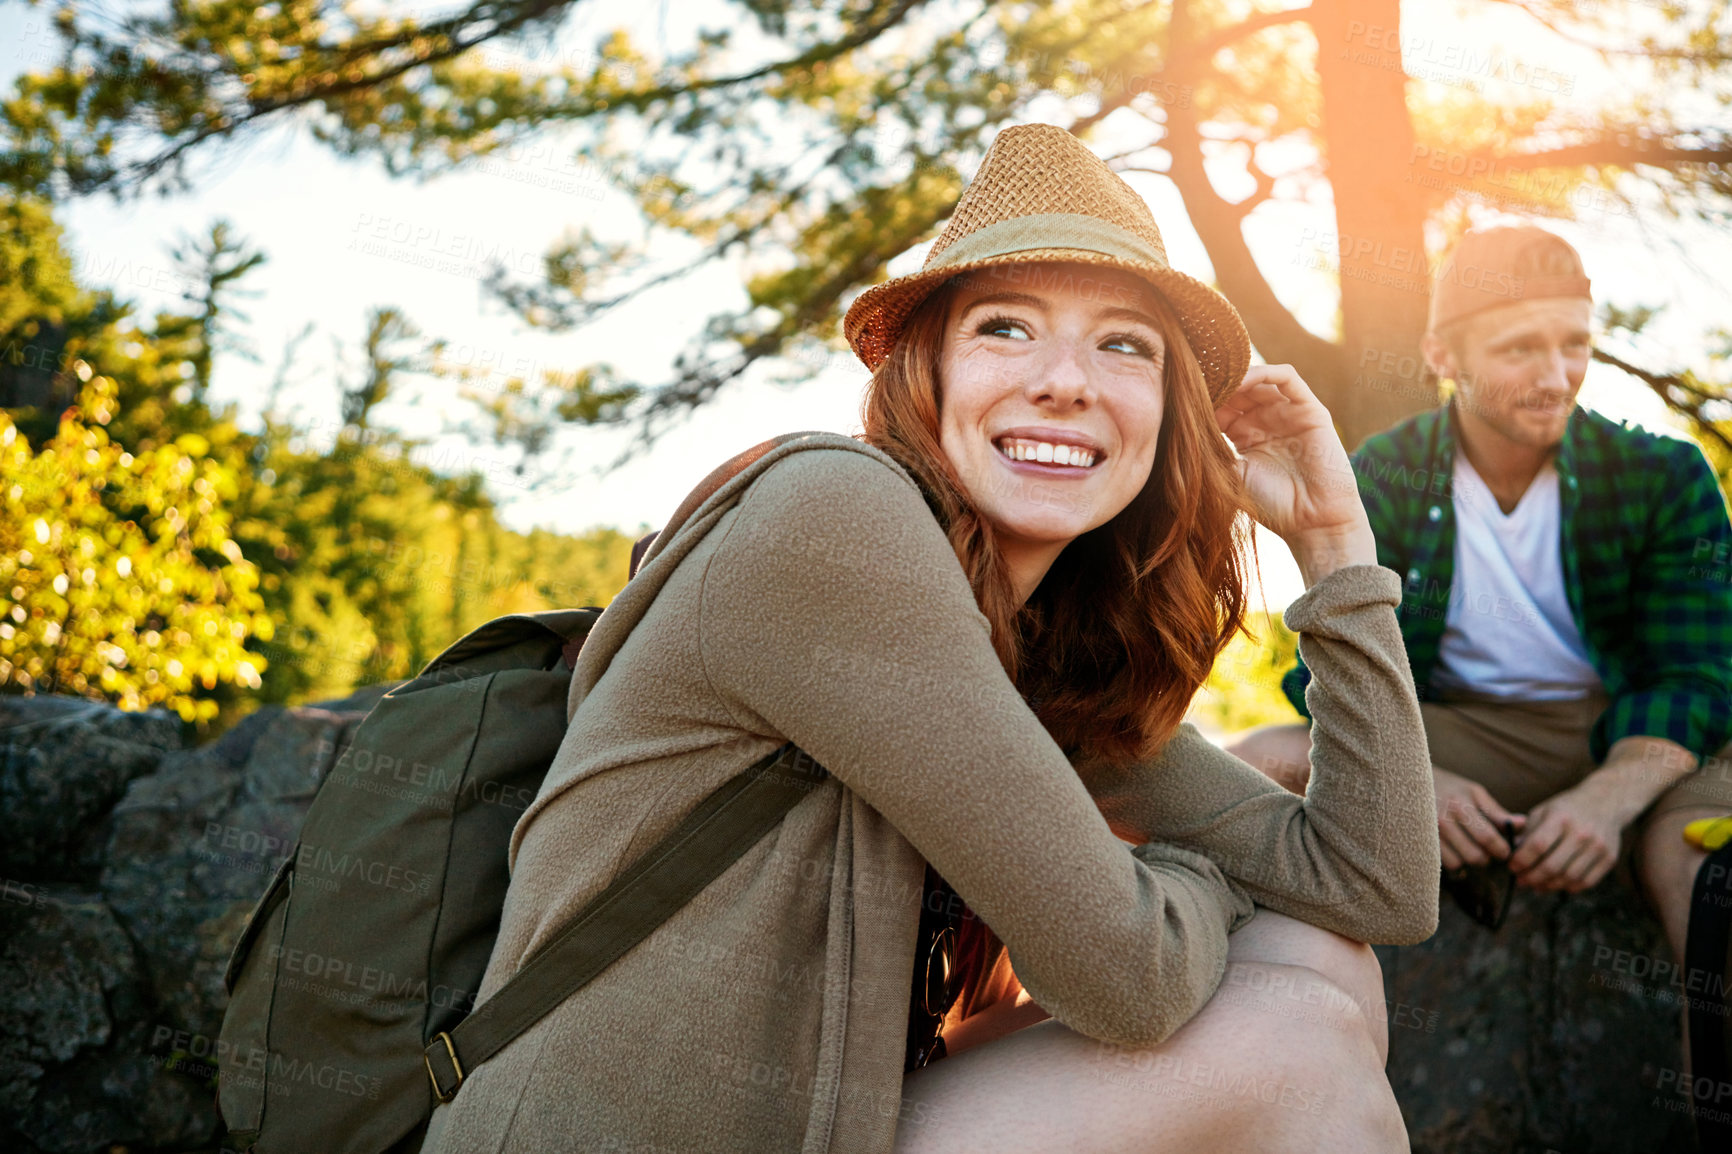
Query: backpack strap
(704, 490)
(713, 836)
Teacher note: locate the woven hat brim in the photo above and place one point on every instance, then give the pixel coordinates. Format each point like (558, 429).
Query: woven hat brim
(1210, 323)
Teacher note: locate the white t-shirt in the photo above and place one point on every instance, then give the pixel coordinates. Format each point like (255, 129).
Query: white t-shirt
(1509, 631)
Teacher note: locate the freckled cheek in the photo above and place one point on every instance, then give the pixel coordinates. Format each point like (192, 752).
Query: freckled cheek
(1139, 426)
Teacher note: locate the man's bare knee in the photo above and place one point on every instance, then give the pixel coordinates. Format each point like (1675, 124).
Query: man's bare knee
(1667, 866)
(1279, 752)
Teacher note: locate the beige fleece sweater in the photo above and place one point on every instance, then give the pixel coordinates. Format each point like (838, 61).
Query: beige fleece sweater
(814, 598)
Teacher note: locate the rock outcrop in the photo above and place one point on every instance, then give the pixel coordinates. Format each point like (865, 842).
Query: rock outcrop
(128, 866)
(1560, 1033)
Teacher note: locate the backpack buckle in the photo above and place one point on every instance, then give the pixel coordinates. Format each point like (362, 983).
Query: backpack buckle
(454, 1077)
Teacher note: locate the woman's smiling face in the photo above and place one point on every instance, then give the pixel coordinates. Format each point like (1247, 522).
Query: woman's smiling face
(1059, 364)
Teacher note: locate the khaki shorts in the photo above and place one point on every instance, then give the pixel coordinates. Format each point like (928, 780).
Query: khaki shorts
(1523, 752)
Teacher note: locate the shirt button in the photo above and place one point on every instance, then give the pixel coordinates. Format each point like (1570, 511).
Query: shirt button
(1435, 513)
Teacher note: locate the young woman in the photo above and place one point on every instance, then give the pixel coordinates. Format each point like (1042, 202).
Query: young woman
(986, 618)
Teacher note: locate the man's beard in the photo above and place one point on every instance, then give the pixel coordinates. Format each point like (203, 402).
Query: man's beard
(1510, 424)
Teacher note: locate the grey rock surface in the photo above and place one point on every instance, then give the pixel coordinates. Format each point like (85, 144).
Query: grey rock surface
(1540, 1037)
(129, 868)
(63, 765)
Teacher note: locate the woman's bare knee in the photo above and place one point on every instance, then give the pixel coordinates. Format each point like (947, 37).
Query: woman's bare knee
(1326, 969)
(1278, 1059)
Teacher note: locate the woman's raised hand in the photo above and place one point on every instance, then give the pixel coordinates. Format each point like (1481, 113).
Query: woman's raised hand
(1297, 474)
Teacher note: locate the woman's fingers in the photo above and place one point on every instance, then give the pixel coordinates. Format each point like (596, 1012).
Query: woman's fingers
(1283, 377)
(1264, 413)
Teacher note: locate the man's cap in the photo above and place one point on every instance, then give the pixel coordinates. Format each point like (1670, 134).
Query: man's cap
(1501, 265)
(1041, 195)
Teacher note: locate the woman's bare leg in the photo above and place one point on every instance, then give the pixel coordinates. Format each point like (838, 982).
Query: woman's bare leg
(1287, 1056)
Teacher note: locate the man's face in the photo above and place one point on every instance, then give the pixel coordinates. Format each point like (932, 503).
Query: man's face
(1518, 368)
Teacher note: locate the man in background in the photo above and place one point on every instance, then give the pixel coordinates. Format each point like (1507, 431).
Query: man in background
(1567, 610)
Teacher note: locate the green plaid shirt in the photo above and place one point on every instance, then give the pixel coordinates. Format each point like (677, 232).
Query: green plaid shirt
(1647, 561)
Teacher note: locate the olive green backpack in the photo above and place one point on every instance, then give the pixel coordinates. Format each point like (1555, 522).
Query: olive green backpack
(352, 985)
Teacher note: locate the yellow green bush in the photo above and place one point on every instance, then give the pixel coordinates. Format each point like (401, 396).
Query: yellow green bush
(118, 574)
(1244, 688)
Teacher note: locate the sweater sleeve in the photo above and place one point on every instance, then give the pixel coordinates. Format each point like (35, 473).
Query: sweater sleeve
(1358, 854)
(835, 615)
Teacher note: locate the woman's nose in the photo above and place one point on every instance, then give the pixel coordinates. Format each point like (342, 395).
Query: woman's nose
(1063, 376)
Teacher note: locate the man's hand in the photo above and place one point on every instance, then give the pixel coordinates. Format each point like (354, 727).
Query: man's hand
(1572, 837)
(1469, 821)
(1571, 840)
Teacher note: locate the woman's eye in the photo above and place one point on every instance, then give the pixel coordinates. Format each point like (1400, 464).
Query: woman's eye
(1002, 327)
(1127, 343)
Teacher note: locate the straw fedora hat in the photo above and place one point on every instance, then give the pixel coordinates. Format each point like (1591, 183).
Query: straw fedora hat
(1041, 195)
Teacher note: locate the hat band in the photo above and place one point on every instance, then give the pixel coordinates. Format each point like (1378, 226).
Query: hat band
(1048, 230)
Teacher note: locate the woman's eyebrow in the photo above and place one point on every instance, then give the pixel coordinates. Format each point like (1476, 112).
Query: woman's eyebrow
(1129, 315)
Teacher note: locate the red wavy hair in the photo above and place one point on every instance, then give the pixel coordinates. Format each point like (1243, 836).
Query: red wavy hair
(1111, 647)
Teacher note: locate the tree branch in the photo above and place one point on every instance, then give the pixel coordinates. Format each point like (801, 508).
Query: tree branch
(258, 108)
(451, 43)
(1204, 49)
(1646, 51)
(1678, 391)
(1623, 150)
(1277, 334)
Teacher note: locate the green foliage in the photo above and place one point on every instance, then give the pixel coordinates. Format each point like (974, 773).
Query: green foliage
(372, 562)
(35, 270)
(211, 267)
(810, 141)
(1244, 688)
(118, 573)
(152, 552)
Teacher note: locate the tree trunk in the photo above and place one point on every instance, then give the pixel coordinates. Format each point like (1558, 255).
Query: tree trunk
(1379, 214)
(1279, 337)
(1374, 377)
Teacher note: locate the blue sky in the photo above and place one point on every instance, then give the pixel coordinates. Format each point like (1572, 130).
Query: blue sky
(341, 237)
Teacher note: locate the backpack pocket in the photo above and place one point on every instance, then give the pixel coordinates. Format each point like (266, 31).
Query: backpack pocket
(251, 980)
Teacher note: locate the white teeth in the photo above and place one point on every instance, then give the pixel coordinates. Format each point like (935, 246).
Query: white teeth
(1047, 452)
